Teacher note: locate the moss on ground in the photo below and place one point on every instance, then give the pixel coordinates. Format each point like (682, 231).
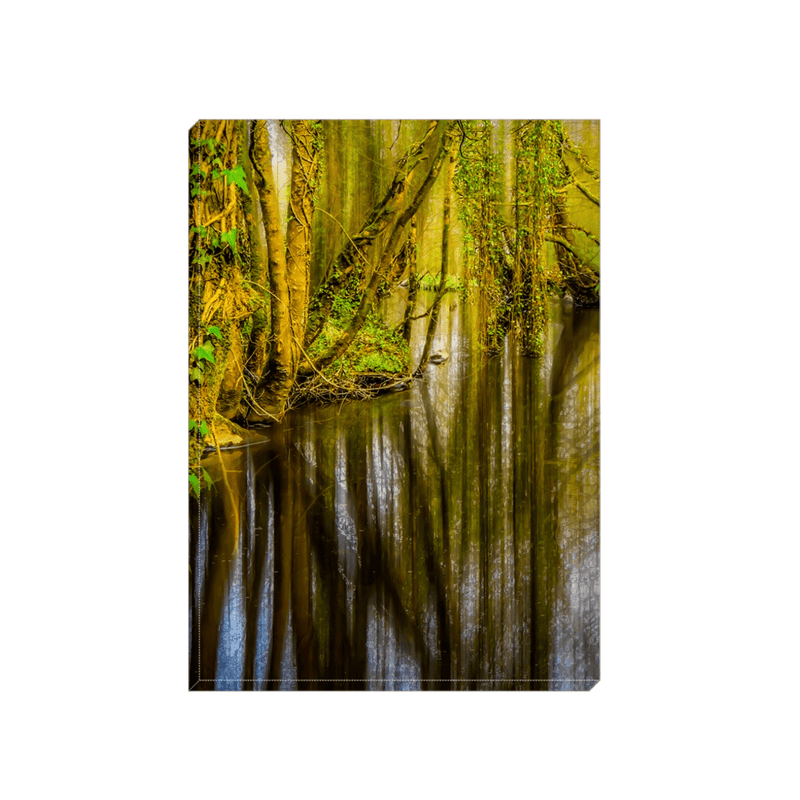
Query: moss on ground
(377, 359)
(376, 350)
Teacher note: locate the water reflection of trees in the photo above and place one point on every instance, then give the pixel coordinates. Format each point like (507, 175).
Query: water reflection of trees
(440, 539)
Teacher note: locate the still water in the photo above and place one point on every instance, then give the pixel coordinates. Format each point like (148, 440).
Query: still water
(444, 537)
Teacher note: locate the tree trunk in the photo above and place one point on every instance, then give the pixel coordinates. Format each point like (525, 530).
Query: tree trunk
(436, 155)
(413, 282)
(278, 372)
(305, 171)
(219, 299)
(289, 270)
(353, 262)
(258, 343)
(434, 313)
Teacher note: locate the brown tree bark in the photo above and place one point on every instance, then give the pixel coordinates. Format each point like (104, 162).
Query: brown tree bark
(413, 281)
(278, 371)
(289, 269)
(305, 171)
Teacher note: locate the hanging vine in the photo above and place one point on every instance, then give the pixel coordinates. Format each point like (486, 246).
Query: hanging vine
(477, 185)
(540, 174)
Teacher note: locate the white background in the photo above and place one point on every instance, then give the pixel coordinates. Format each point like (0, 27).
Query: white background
(699, 408)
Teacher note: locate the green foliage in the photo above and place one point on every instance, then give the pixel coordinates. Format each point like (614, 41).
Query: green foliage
(194, 481)
(376, 348)
(377, 362)
(229, 238)
(205, 351)
(344, 306)
(201, 257)
(201, 354)
(453, 283)
(237, 177)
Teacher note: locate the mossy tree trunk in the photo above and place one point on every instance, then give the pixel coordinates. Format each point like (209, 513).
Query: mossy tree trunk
(278, 369)
(289, 264)
(219, 295)
(258, 340)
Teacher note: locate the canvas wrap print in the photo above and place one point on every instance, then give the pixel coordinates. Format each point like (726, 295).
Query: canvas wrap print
(394, 405)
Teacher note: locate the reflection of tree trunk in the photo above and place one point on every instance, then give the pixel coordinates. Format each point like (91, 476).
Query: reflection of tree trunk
(254, 563)
(522, 521)
(197, 574)
(408, 443)
(408, 622)
(357, 667)
(223, 533)
(483, 532)
(301, 602)
(444, 593)
(330, 614)
(283, 573)
(544, 544)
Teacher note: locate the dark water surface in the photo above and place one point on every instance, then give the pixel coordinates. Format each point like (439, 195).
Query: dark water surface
(445, 537)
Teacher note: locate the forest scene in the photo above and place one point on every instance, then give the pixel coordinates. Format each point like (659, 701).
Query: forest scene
(394, 405)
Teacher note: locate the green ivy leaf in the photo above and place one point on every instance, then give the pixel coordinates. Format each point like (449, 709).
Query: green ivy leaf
(205, 351)
(237, 176)
(214, 331)
(209, 482)
(192, 425)
(229, 238)
(196, 375)
(195, 485)
(203, 428)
